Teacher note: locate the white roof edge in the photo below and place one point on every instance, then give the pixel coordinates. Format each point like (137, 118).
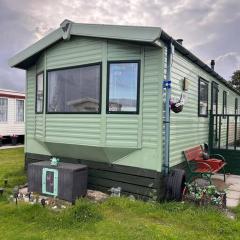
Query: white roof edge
(8, 91)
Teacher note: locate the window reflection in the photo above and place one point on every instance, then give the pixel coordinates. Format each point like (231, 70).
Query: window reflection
(74, 90)
(123, 87)
(39, 95)
(203, 98)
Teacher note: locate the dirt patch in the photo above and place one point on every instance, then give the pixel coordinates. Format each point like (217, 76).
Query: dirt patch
(96, 196)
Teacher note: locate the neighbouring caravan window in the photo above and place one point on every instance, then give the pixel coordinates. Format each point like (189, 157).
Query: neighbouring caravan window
(202, 98)
(236, 105)
(39, 93)
(214, 98)
(3, 109)
(123, 87)
(224, 102)
(20, 110)
(74, 90)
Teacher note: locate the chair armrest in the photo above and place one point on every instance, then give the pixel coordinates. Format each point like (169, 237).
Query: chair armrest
(218, 156)
(198, 162)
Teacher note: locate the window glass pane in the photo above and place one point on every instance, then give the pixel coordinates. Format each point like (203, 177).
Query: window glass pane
(3, 109)
(224, 102)
(214, 99)
(203, 98)
(123, 84)
(20, 110)
(74, 90)
(236, 106)
(39, 95)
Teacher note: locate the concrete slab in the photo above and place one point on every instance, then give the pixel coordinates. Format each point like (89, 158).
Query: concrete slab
(233, 194)
(219, 176)
(232, 187)
(233, 180)
(231, 176)
(11, 146)
(232, 203)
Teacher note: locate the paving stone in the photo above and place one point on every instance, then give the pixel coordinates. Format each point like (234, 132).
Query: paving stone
(233, 194)
(233, 180)
(234, 187)
(218, 176)
(23, 190)
(232, 202)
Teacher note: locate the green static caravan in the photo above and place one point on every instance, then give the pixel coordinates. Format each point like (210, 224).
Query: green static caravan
(96, 95)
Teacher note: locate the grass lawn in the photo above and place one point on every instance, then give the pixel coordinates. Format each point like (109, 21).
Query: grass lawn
(117, 218)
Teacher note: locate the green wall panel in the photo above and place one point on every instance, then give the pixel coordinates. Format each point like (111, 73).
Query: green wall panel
(187, 129)
(133, 140)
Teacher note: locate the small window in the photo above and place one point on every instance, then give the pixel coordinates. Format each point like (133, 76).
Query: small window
(236, 105)
(39, 93)
(224, 103)
(202, 98)
(214, 98)
(3, 109)
(123, 87)
(74, 90)
(20, 110)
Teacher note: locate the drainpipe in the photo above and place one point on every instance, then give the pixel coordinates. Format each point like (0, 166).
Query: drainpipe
(167, 86)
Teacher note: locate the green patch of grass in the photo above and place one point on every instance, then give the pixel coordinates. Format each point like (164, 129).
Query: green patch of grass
(116, 218)
(11, 167)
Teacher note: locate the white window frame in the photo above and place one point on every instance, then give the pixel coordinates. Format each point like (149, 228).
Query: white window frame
(16, 112)
(5, 121)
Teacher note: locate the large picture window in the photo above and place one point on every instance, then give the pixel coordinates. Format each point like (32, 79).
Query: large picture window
(39, 93)
(20, 110)
(123, 87)
(224, 103)
(3, 109)
(74, 90)
(202, 98)
(214, 98)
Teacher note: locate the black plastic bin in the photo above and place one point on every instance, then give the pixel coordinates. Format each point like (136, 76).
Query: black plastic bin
(66, 181)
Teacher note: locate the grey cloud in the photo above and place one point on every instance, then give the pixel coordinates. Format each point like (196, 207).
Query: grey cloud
(228, 62)
(210, 28)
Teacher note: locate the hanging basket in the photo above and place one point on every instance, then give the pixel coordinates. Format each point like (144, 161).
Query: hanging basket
(177, 107)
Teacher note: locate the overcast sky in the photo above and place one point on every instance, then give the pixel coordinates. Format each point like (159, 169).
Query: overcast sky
(210, 28)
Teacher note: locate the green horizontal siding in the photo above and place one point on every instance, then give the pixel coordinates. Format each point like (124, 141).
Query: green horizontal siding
(118, 50)
(152, 92)
(133, 140)
(187, 129)
(75, 52)
(122, 130)
(30, 103)
(65, 128)
(39, 130)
